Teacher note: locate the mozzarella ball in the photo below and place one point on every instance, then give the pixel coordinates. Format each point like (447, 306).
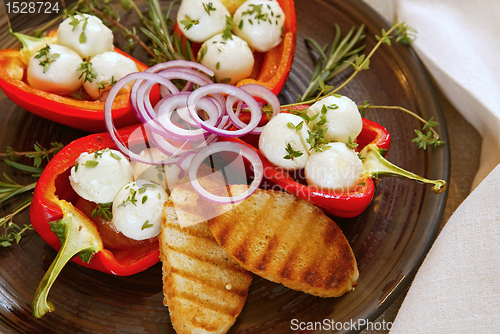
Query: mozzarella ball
(260, 24)
(199, 20)
(338, 168)
(230, 59)
(98, 176)
(138, 208)
(109, 67)
(277, 135)
(96, 37)
(166, 176)
(343, 119)
(60, 75)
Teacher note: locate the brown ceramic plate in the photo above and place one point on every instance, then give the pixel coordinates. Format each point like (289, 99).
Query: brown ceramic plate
(389, 239)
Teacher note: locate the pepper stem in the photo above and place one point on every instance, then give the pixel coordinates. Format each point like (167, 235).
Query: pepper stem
(375, 165)
(78, 236)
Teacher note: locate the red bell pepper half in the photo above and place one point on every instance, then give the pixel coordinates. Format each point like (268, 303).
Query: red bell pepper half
(271, 68)
(69, 231)
(80, 114)
(373, 143)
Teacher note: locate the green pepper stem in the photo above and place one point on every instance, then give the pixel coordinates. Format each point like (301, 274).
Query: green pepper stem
(78, 237)
(375, 165)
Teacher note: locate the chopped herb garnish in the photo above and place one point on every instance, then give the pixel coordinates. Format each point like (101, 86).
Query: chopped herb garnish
(76, 167)
(317, 141)
(229, 26)
(203, 52)
(104, 210)
(90, 163)
(350, 144)
(217, 66)
(144, 199)
(114, 155)
(209, 7)
(48, 58)
(297, 127)
(291, 153)
(188, 23)
(130, 199)
(146, 225)
(75, 22)
(86, 69)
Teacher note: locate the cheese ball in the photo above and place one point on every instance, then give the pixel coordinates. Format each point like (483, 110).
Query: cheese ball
(338, 168)
(109, 67)
(230, 59)
(99, 176)
(277, 135)
(200, 20)
(343, 119)
(96, 38)
(137, 209)
(55, 72)
(260, 24)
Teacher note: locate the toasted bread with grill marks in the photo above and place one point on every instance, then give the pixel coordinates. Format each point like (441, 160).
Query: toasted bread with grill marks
(204, 288)
(287, 240)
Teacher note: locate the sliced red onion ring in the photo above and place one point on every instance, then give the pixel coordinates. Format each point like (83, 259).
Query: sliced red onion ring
(254, 90)
(196, 139)
(213, 148)
(195, 96)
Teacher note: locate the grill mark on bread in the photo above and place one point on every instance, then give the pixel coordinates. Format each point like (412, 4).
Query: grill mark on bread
(242, 292)
(290, 241)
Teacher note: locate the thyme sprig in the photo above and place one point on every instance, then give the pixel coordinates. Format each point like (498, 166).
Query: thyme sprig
(46, 58)
(423, 140)
(332, 59)
(9, 189)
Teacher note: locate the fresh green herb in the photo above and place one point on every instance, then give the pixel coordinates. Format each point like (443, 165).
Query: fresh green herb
(316, 140)
(146, 225)
(362, 184)
(90, 163)
(331, 59)
(217, 66)
(291, 153)
(102, 85)
(144, 199)
(75, 22)
(130, 199)
(297, 127)
(87, 73)
(188, 22)
(104, 210)
(99, 153)
(115, 156)
(208, 7)
(76, 167)
(423, 140)
(9, 189)
(48, 58)
(145, 186)
(11, 231)
(350, 144)
(229, 27)
(257, 10)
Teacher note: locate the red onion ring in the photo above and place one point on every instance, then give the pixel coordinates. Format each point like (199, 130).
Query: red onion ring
(188, 146)
(242, 150)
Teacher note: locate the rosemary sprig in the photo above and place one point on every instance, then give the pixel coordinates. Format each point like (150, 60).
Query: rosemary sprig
(333, 61)
(165, 45)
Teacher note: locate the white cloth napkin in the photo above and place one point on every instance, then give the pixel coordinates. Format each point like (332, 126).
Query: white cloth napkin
(457, 288)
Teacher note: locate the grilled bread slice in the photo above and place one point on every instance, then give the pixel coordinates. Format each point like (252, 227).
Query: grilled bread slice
(204, 288)
(287, 240)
